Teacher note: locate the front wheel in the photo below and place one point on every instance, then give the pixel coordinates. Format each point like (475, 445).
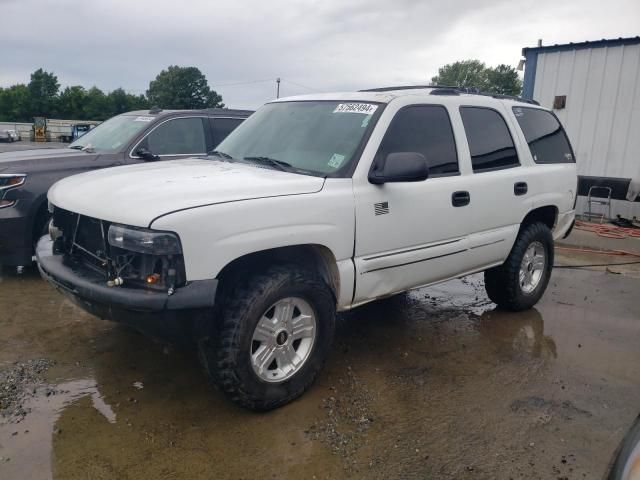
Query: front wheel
(521, 280)
(272, 337)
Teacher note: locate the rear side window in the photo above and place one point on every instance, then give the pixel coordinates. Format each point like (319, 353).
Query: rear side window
(544, 134)
(489, 139)
(424, 129)
(223, 127)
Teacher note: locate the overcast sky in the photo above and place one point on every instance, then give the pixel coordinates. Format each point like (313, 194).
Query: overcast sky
(312, 45)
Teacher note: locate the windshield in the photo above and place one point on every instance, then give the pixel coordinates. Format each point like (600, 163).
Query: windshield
(111, 136)
(313, 137)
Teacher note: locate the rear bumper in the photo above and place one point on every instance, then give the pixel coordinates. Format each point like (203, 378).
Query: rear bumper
(564, 224)
(90, 291)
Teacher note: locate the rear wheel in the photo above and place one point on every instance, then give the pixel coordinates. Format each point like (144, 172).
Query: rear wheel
(272, 337)
(521, 280)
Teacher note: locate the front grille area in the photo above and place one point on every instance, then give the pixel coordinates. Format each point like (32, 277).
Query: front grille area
(83, 238)
(84, 242)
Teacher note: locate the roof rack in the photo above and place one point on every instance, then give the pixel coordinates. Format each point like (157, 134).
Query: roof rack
(452, 90)
(404, 87)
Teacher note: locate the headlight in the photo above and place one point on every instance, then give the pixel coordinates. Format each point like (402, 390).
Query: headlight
(11, 180)
(7, 182)
(144, 241)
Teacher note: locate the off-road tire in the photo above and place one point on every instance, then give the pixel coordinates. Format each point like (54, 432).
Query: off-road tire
(502, 283)
(225, 351)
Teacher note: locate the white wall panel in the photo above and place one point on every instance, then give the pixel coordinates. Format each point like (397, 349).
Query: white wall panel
(602, 115)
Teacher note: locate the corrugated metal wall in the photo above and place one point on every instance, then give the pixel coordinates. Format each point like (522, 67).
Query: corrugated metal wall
(602, 114)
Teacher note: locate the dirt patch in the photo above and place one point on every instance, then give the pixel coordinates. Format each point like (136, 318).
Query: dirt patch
(348, 416)
(19, 383)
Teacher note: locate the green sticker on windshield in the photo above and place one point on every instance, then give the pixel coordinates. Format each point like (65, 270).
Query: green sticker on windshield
(365, 122)
(336, 160)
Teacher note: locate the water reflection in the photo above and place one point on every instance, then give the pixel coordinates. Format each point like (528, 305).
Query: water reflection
(518, 335)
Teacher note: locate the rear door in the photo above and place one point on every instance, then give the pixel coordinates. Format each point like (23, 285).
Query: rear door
(498, 186)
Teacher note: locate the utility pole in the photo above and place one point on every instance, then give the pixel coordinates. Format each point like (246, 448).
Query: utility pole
(278, 87)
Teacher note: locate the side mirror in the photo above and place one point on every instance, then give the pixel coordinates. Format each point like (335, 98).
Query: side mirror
(400, 167)
(146, 154)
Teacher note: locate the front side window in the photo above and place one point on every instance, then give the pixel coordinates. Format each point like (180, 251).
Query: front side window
(425, 129)
(180, 136)
(309, 137)
(490, 142)
(547, 140)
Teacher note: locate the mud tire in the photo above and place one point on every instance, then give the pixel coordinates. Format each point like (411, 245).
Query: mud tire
(502, 283)
(225, 353)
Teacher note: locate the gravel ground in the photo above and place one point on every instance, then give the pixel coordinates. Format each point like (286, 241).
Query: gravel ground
(18, 383)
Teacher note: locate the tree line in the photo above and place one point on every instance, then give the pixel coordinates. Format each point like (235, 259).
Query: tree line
(474, 74)
(187, 88)
(173, 88)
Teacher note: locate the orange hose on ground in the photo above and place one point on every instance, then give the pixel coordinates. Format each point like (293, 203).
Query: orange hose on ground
(598, 252)
(607, 230)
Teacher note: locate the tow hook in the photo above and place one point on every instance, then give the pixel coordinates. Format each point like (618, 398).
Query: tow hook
(116, 282)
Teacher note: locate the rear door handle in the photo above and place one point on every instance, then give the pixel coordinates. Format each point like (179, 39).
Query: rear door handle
(460, 199)
(520, 188)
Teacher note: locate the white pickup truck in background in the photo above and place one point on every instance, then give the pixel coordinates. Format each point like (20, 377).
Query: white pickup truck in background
(316, 204)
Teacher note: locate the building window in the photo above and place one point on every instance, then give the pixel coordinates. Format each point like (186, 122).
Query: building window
(559, 102)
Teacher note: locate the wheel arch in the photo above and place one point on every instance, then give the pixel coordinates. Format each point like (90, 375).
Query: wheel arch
(547, 214)
(316, 257)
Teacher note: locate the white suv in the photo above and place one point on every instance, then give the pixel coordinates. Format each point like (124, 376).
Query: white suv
(316, 204)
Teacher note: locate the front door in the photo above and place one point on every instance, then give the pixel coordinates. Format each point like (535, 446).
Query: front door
(410, 234)
(176, 138)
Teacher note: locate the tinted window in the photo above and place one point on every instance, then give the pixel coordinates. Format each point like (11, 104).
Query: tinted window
(424, 129)
(181, 136)
(544, 134)
(223, 127)
(489, 139)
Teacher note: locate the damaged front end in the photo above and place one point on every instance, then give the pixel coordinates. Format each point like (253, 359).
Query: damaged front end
(124, 256)
(125, 274)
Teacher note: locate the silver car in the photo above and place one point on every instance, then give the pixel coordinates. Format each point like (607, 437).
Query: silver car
(9, 135)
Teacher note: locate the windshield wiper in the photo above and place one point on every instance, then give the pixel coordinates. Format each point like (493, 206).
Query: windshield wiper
(220, 154)
(279, 164)
(77, 147)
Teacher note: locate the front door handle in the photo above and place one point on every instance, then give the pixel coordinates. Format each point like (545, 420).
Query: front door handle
(460, 199)
(520, 188)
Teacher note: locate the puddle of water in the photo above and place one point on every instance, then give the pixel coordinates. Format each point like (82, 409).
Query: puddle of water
(26, 446)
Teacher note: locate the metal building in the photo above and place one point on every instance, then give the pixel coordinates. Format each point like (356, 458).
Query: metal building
(594, 88)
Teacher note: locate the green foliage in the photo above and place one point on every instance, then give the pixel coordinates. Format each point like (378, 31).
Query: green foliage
(502, 79)
(43, 97)
(182, 87)
(15, 104)
(43, 91)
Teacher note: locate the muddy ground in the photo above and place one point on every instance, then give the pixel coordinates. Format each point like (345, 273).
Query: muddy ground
(433, 384)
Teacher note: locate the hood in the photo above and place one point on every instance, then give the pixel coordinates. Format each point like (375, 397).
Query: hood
(137, 194)
(37, 157)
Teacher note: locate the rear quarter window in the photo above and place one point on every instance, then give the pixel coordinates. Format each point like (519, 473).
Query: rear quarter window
(545, 136)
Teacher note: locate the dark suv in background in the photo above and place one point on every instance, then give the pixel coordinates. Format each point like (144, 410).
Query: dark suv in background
(133, 137)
